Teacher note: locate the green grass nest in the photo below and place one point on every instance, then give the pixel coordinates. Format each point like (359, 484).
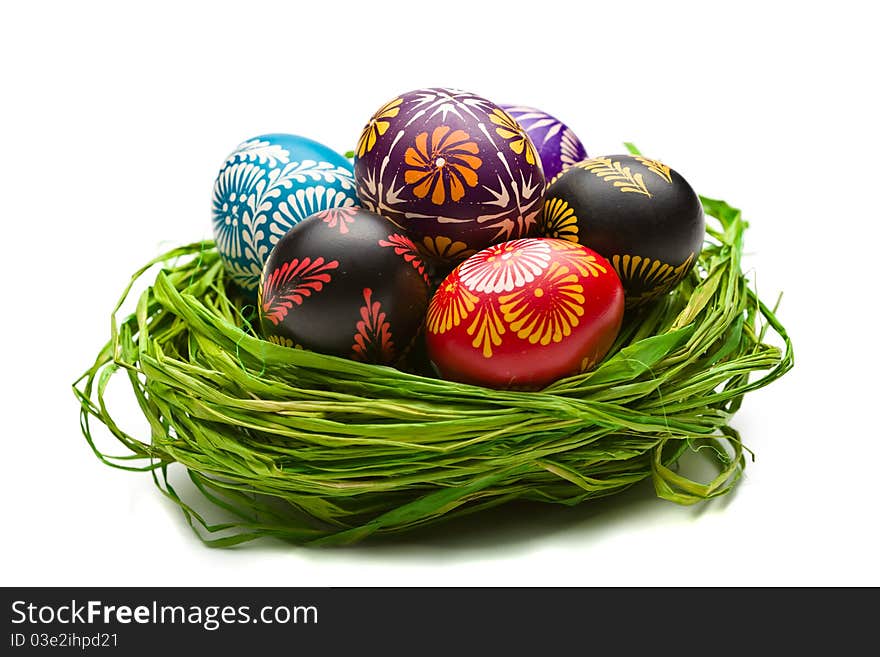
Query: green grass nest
(315, 449)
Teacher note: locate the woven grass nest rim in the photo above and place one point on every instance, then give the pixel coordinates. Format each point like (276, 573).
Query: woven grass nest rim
(320, 450)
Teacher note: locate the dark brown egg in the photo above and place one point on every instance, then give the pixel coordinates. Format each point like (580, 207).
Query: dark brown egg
(637, 212)
(344, 282)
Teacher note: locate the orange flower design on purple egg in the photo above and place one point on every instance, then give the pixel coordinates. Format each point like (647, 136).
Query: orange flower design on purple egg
(444, 166)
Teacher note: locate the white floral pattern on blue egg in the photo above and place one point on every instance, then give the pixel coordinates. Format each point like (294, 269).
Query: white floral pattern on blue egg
(266, 186)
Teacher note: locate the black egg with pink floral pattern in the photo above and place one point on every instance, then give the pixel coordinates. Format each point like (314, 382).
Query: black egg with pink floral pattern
(345, 282)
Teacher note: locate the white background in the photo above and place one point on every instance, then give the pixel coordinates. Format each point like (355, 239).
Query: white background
(115, 121)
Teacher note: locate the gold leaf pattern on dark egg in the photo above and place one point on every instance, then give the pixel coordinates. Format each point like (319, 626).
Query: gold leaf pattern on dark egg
(637, 212)
(657, 167)
(655, 276)
(444, 248)
(614, 172)
(284, 342)
(559, 220)
(588, 362)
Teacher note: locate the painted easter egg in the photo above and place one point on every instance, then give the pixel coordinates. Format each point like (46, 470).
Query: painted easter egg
(344, 282)
(637, 212)
(523, 314)
(451, 169)
(557, 145)
(265, 187)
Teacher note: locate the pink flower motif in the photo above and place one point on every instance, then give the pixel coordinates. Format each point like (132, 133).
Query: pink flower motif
(404, 246)
(338, 217)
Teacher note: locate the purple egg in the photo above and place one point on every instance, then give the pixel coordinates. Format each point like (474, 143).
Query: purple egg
(451, 169)
(557, 145)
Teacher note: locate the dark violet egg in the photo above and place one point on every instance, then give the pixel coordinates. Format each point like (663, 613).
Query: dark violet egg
(452, 169)
(344, 282)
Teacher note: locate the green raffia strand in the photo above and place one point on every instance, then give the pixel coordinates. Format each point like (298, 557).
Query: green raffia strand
(326, 451)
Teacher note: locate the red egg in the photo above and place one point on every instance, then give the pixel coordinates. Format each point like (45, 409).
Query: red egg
(524, 313)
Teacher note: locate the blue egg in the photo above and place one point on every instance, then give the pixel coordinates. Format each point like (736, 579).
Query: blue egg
(266, 186)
